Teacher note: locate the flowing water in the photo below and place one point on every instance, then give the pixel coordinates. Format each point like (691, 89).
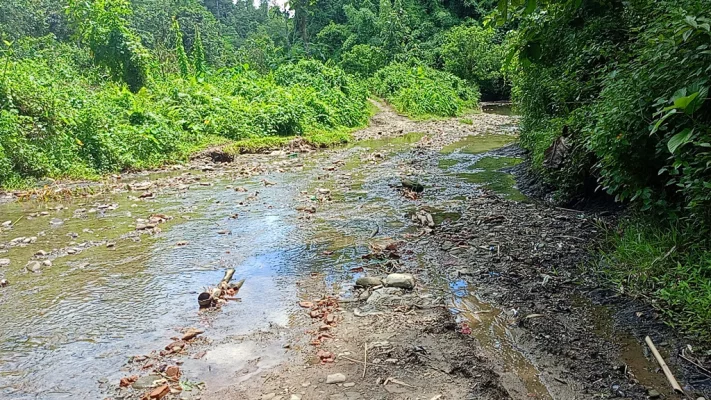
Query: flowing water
(110, 293)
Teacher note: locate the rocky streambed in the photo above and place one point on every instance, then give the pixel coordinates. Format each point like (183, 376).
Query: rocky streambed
(356, 286)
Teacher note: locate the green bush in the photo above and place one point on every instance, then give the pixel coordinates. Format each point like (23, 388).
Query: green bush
(55, 121)
(472, 53)
(363, 60)
(667, 261)
(424, 92)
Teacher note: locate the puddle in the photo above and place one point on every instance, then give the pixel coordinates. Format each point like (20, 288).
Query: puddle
(490, 326)
(478, 144)
(632, 352)
(500, 108)
(495, 163)
(499, 182)
(447, 162)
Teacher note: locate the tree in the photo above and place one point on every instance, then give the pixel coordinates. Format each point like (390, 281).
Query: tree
(103, 25)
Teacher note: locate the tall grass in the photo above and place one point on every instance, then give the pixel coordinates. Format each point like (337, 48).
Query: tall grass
(669, 263)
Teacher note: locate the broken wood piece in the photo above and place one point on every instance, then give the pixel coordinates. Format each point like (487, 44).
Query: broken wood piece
(237, 286)
(665, 367)
(210, 297)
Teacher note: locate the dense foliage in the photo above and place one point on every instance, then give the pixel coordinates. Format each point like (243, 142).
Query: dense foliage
(56, 121)
(424, 92)
(614, 98)
(89, 87)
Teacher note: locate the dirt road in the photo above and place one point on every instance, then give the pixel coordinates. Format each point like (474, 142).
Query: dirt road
(502, 305)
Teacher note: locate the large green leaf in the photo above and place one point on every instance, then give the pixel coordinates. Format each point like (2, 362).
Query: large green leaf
(680, 139)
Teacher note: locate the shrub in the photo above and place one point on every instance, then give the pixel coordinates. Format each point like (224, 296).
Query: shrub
(424, 92)
(58, 122)
(472, 53)
(363, 60)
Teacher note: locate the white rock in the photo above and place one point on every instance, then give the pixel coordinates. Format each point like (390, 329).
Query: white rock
(4, 262)
(34, 266)
(335, 378)
(404, 281)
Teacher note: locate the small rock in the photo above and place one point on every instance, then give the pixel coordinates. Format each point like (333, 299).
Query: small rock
(6, 224)
(4, 282)
(653, 394)
(268, 396)
(145, 382)
(335, 378)
(306, 384)
(368, 281)
(47, 263)
(349, 384)
(34, 266)
(404, 281)
(160, 392)
(4, 262)
(295, 397)
(172, 372)
(41, 253)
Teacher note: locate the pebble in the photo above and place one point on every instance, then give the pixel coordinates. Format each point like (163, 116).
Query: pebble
(349, 384)
(404, 281)
(653, 394)
(47, 263)
(4, 262)
(335, 378)
(295, 397)
(145, 382)
(41, 253)
(368, 281)
(268, 396)
(34, 266)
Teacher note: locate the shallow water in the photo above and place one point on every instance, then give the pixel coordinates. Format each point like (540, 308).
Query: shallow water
(68, 330)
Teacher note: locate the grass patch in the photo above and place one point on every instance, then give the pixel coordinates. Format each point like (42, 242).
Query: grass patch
(467, 121)
(667, 263)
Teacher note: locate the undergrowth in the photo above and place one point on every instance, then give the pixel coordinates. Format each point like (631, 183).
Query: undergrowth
(668, 265)
(58, 122)
(422, 92)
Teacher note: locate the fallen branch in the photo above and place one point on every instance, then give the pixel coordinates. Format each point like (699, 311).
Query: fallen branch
(697, 365)
(665, 367)
(222, 292)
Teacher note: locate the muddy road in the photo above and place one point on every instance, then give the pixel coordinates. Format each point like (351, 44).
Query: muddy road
(502, 306)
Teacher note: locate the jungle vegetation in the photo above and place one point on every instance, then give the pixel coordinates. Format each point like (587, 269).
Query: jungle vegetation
(613, 97)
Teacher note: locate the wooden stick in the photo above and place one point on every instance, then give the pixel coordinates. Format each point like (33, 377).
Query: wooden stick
(365, 358)
(665, 367)
(692, 362)
(18, 220)
(228, 275)
(350, 359)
